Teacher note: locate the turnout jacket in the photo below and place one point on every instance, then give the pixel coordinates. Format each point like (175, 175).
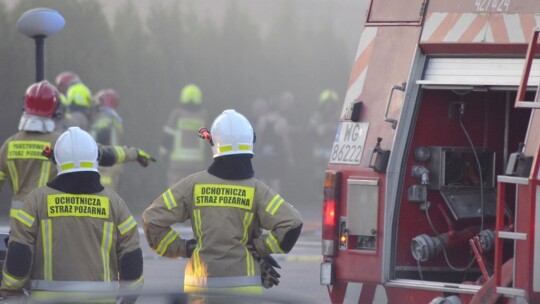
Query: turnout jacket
(80, 243)
(107, 129)
(22, 162)
(226, 216)
(179, 143)
(23, 165)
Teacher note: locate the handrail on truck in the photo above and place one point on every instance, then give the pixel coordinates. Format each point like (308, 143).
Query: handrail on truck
(522, 90)
(531, 182)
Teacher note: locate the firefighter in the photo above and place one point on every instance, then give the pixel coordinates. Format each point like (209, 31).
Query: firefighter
(321, 124)
(78, 100)
(275, 147)
(73, 237)
(64, 80)
(323, 130)
(62, 118)
(107, 129)
(227, 207)
(21, 160)
(180, 147)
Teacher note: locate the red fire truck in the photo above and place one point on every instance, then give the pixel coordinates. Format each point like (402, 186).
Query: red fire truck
(432, 186)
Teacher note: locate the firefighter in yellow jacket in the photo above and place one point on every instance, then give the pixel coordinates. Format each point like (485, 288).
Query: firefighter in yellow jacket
(77, 99)
(107, 129)
(228, 209)
(22, 163)
(180, 148)
(73, 237)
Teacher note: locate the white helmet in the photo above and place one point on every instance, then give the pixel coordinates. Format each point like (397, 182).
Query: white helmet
(231, 134)
(75, 151)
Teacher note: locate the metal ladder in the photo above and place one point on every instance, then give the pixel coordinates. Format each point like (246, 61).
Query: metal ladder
(526, 186)
(500, 234)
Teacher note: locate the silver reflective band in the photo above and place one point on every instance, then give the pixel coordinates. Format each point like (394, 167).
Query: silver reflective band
(222, 281)
(327, 247)
(77, 286)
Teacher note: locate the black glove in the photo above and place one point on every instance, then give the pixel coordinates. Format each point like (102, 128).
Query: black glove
(143, 158)
(269, 275)
(190, 246)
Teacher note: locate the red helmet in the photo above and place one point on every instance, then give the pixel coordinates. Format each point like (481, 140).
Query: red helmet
(65, 79)
(41, 99)
(107, 98)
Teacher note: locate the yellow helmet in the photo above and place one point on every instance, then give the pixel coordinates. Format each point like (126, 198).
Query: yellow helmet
(80, 95)
(191, 94)
(328, 96)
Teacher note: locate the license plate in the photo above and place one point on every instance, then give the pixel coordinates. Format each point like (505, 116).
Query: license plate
(349, 143)
(326, 273)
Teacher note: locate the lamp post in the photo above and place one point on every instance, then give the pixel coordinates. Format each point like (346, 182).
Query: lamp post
(38, 24)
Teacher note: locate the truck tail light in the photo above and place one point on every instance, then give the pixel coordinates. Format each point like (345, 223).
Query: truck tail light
(330, 212)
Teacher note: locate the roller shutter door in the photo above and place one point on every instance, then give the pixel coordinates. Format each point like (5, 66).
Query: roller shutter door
(478, 72)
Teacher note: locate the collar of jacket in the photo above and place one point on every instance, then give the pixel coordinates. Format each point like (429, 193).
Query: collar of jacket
(84, 182)
(32, 123)
(237, 166)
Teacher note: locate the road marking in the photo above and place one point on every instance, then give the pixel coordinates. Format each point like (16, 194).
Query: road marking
(304, 258)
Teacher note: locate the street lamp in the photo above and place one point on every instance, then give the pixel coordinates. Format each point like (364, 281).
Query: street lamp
(38, 24)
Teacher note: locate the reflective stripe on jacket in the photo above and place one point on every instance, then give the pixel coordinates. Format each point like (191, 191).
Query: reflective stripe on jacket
(77, 241)
(226, 215)
(107, 120)
(183, 126)
(22, 163)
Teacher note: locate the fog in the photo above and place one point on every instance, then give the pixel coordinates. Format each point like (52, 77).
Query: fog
(235, 51)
